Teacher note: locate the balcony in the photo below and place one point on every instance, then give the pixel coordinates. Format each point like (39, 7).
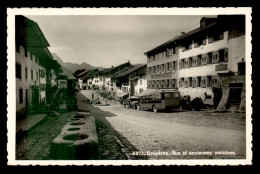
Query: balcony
(221, 68)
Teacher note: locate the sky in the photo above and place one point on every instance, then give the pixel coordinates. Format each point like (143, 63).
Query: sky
(105, 41)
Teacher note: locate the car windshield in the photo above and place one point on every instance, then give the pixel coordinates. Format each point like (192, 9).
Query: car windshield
(170, 95)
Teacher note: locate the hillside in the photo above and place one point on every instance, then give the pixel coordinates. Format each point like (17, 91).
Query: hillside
(72, 67)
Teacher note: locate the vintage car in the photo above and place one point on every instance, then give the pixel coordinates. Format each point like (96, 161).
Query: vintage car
(131, 102)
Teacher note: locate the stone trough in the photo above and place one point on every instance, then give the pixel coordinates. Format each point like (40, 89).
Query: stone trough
(78, 139)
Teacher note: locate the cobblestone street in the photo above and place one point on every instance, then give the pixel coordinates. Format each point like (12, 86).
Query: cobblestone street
(149, 134)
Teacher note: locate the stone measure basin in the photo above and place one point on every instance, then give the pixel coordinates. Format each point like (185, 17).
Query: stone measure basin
(75, 137)
(77, 123)
(73, 129)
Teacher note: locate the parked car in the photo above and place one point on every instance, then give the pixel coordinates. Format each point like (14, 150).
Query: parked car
(160, 100)
(131, 102)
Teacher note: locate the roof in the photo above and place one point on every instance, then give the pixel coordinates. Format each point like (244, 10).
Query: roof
(129, 70)
(89, 73)
(113, 68)
(180, 37)
(82, 73)
(29, 32)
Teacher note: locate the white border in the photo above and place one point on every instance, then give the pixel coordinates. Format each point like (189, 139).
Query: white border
(122, 11)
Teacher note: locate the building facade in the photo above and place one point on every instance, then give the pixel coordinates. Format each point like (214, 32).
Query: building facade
(33, 61)
(206, 58)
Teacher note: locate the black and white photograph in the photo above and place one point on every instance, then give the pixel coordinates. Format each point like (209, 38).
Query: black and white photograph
(122, 86)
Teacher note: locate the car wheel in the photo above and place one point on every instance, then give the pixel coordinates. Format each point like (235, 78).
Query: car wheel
(155, 109)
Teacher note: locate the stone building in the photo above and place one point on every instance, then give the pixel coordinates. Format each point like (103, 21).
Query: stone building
(110, 85)
(210, 62)
(32, 59)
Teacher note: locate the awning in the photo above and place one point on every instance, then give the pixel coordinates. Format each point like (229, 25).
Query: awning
(121, 94)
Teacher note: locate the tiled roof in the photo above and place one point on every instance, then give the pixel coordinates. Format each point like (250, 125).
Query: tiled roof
(180, 37)
(129, 70)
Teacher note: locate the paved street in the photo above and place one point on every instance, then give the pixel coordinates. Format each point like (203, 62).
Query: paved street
(150, 133)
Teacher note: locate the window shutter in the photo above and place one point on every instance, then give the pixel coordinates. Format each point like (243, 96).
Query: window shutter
(226, 55)
(215, 55)
(204, 42)
(221, 36)
(210, 39)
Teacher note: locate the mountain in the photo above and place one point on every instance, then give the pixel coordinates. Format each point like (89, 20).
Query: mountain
(72, 67)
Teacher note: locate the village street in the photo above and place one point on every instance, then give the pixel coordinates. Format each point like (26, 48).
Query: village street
(168, 135)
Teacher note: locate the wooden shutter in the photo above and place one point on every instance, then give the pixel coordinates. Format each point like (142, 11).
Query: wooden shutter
(215, 57)
(226, 55)
(203, 81)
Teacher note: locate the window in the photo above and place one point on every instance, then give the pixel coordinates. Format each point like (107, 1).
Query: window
(162, 67)
(222, 55)
(190, 62)
(181, 82)
(182, 63)
(200, 41)
(174, 83)
(26, 73)
(209, 78)
(158, 68)
(241, 68)
(199, 60)
(190, 82)
(21, 95)
(167, 82)
(37, 78)
(154, 69)
(194, 61)
(215, 57)
(186, 82)
(199, 82)
(150, 70)
(203, 81)
(141, 90)
(140, 82)
(31, 74)
(209, 61)
(226, 55)
(186, 63)
(186, 46)
(168, 66)
(194, 82)
(25, 52)
(18, 71)
(216, 36)
(204, 59)
(167, 52)
(174, 66)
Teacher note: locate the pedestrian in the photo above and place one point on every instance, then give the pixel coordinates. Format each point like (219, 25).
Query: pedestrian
(92, 96)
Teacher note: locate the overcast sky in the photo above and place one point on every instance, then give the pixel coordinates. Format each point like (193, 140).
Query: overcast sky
(104, 41)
